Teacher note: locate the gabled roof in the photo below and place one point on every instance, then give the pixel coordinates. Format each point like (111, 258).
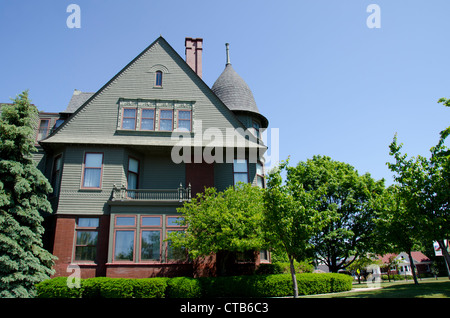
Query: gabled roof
(78, 99)
(418, 257)
(90, 98)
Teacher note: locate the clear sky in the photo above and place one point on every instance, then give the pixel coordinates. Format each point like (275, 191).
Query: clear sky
(332, 85)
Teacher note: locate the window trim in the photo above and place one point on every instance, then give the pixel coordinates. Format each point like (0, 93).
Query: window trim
(190, 118)
(124, 229)
(83, 171)
(256, 130)
(135, 117)
(127, 216)
(135, 173)
(39, 128)
(262, 176)
(160, 120)
(142, 118)
(142, 216)
(169, 228)
(158, 72)
(161, 241)
(85, 229)
(57, 179)
(234, 173)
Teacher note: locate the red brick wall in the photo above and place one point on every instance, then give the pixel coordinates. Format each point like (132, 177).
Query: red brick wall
(63, 243)
(199, 175)
(148, 270)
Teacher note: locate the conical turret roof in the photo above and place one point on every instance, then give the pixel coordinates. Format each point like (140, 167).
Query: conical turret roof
(234, 92)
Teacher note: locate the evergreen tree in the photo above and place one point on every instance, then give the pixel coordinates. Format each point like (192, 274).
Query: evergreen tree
(23, 197)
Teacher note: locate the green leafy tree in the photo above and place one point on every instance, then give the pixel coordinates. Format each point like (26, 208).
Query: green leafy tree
(23, 196)
(291, 219)
(222, 223)
(424, 187)
(351, 199)
(398, 226)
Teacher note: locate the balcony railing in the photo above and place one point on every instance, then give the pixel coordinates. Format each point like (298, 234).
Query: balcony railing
(180, 194)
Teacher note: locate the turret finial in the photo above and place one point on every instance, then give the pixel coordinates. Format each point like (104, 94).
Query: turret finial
(227, 45)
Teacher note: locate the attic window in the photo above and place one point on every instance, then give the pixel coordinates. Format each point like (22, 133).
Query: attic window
(158, 79)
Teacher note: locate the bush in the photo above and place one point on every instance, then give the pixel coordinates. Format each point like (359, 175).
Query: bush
(277, 285)
(183, 287)
(150, 287)
(104, 287)
(274, 285)
(56, 288)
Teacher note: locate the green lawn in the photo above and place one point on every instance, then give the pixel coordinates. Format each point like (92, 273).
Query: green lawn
(427, 288)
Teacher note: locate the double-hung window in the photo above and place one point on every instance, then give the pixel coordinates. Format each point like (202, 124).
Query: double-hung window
(256, 128)
(240, 171)
(259, 175)
(148, 119)
(56, 174)
(132, 177)
(86, 239)
(129, 118)
(92, 174)
(184, 120)
(166, 119)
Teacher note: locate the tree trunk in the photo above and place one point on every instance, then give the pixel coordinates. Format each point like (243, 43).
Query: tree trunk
(413, 268)
(294, 277)
(446, 256)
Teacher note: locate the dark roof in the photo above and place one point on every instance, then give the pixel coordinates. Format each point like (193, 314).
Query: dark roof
(78, 99)
(235, 93)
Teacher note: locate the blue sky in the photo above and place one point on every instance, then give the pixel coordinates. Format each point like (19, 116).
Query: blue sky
(331, 85)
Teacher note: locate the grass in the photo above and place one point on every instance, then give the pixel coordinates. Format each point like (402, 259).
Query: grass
(427, 288)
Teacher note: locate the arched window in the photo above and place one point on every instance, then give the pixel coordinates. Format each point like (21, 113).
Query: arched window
(158, 78)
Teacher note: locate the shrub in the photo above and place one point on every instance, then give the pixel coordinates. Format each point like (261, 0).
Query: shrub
(149, 287)
(183, 287)
(274, 285)
(56, 288)
(277, 285)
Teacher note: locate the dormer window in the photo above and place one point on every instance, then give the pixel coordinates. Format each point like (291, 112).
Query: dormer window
(158, 79)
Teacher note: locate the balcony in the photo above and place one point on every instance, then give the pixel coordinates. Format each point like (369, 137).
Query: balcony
(121, 195)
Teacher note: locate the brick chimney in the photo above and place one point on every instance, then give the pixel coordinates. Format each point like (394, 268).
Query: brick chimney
(194, 54)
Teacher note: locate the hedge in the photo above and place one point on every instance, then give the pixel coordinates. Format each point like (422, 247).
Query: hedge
(278, 285)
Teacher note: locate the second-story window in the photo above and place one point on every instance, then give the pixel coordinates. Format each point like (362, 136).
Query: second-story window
(240, 171)
(133, 176)
(129, 118)
(56, 174)
(92, 174)
(166, 120)
(158, 78)
(259, 175)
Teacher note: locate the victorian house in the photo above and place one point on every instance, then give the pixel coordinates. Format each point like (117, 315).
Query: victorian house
(117, 179)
